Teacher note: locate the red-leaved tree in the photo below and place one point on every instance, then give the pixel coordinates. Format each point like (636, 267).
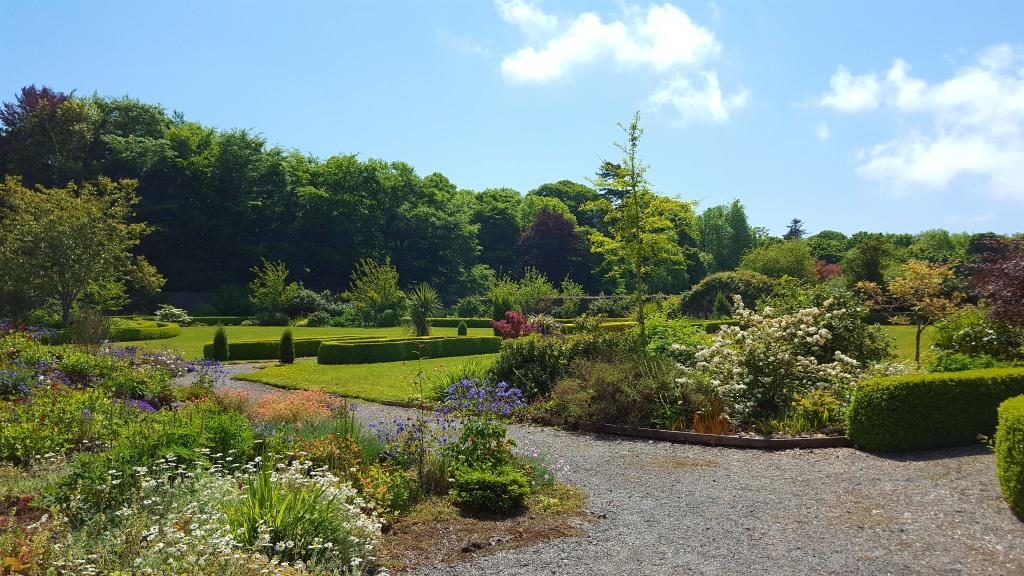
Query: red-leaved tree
(999, 281)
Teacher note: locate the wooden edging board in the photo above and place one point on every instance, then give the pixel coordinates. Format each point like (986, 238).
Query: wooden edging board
(722, 440)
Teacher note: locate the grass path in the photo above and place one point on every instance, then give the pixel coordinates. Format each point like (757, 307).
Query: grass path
(383, 382)
(903, 336)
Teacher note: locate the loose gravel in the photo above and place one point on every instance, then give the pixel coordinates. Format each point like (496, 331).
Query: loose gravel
(684, 509)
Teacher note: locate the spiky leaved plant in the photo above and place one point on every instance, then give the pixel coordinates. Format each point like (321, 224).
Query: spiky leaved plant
(423, 303)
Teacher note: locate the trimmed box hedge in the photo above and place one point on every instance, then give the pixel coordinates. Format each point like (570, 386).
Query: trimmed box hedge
(222, 320)
(271, 349)
(921, 411)
(398, 349)
(1010, 453)
(128, 330)
(454, 322)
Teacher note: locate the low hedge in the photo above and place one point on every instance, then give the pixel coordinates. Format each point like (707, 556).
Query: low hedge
(920, 411)
(270, 349)
(222, 320)
(128, 330)
(454, 322)
(712, 326)
(398, 349)
(1010, 453)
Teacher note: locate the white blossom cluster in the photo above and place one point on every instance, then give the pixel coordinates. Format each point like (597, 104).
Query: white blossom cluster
(763, 363)
(177, 525)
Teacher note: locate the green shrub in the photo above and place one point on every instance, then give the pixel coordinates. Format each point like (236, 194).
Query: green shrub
(496, 491)
(454, 322)
(56, 421)
(287, 355)
(199, 433)
(534, 363)
(318, 318)
(970, 331)
(721, 309)
(676, 339)
(360, 351)
(920, 411)
(631, 389)
(955, 362)
(423, 302)
(219, 349)
(128, 330)
(388, 318)
(463, 330)
(699, 301)
(1010, 453)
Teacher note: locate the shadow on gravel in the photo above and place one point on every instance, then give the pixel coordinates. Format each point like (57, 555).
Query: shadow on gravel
(937, 454)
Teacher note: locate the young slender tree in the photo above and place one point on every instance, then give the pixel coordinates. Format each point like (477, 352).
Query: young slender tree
(641, 241)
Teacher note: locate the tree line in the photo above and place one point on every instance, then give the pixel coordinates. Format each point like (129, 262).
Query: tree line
(216, 203)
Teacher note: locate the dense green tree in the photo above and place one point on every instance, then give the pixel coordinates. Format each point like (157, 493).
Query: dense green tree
(828, 245)
(497, 219)
(868, 259)
(725, 234)
(789, 258)
(795, 230)
(57, 243)
(552, 245)
(583, 201)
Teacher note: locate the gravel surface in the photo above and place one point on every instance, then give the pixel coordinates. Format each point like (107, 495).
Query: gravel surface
(683, 509)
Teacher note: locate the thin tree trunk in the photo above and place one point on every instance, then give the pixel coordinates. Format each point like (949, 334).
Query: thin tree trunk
(917, 344)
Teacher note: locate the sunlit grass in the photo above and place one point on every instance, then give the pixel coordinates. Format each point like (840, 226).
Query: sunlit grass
(386, 381)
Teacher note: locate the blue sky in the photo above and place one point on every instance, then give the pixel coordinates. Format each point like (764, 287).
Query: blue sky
(895, 116)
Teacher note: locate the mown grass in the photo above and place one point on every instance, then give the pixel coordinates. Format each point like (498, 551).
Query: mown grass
(192, 338)
(387, 381)
(903, 336)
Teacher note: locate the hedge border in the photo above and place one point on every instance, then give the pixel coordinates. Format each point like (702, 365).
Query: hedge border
(268, 349)
(923, 411)
(399, 349)
(1010, 453)
(144, 330)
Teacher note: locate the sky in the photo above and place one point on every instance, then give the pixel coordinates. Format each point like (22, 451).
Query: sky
(884, 116)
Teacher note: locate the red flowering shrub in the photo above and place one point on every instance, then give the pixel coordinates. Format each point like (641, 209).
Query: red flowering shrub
(514, 325)
(826, 270)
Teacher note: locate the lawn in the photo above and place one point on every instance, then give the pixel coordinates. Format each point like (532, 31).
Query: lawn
(192, 339)
(903, 336)
(387, 381)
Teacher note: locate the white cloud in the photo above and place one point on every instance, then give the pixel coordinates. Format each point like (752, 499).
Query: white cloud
(694, 102)
(660, 38)
(969, 125)
(851, 93)
(663, 38)
(822, 132)
(527, 16)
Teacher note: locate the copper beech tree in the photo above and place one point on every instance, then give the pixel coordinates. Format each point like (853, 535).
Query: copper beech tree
(920, 294)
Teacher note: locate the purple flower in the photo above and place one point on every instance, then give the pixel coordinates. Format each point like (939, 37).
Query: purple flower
(140, 405)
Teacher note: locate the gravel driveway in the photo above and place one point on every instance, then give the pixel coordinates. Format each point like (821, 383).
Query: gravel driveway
(682, 509)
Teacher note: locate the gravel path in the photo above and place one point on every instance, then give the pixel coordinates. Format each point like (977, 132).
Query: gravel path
(682, 509)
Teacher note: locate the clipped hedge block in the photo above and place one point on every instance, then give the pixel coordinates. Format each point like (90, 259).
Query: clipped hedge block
(1010, 453)
(222, 320)
(454, 322)
(271, 349)
(921, 411)
(129, 330)
(398, 349)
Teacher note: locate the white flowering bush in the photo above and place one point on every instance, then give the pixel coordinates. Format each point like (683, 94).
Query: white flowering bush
(168, 313)
(760, 366)
(255, 520)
